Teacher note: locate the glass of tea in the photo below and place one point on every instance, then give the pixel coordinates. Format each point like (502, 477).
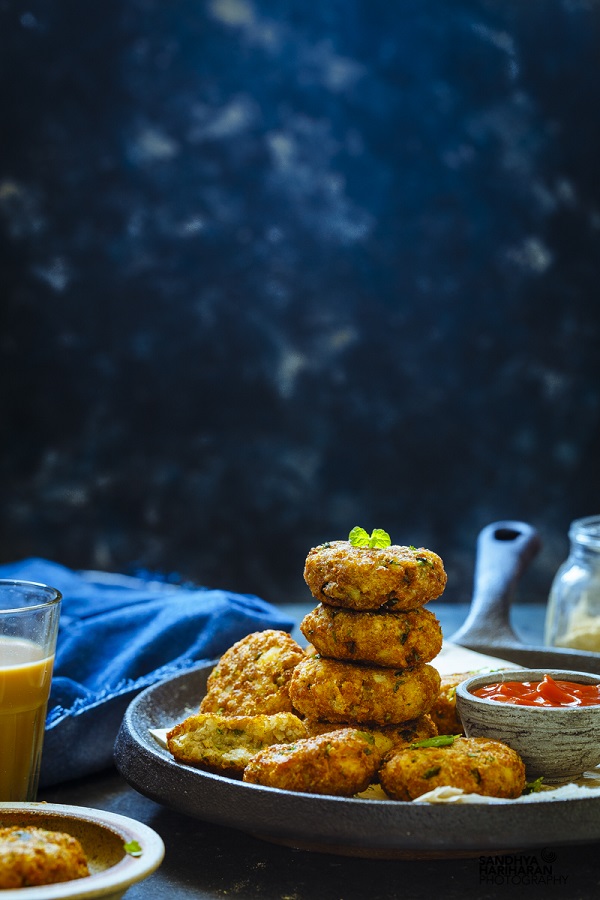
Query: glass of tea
(29, 614)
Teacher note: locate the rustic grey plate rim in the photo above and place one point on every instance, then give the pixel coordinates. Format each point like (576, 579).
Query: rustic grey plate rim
(313, 822)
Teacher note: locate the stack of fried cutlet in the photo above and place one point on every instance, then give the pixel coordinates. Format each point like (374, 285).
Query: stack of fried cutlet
(373, 641)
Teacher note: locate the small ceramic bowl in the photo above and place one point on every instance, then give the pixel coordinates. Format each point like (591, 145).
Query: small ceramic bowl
(558, 743)
(103, 836)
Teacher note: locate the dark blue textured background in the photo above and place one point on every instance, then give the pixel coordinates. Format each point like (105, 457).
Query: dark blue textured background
(274, 269)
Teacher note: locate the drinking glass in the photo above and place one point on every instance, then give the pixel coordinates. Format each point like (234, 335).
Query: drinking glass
(573, 612)
(29, 615)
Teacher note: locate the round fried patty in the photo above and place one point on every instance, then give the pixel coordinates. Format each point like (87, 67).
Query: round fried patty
(337, 691)
(444, 712)
(399, 639)
(226, 744)
(476, 765)
(252, 677)
(342, 763)
(400, 578)
(387, 737)
(34, 856)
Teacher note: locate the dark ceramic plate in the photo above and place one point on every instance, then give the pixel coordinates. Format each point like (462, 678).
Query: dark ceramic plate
(352, 827)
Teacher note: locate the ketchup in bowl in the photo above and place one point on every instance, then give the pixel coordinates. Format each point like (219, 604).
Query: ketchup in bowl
(547, 692)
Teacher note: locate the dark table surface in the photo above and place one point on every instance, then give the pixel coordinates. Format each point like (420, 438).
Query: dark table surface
(206, 861)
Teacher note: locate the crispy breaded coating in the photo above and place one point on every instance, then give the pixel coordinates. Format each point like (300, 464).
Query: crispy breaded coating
(387, 737)
(476, 765)
(342, 763)
(392, 737)
(252, 677)
(226, 744)
(315, 727)
(399, 639)
(337, 691)
(32, 856)
(444, 712)
(400, 578)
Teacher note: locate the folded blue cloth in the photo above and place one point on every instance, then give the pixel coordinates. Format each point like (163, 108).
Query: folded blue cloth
(118, 635)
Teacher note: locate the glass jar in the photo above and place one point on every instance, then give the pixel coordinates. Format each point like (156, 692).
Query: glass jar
(573, 614)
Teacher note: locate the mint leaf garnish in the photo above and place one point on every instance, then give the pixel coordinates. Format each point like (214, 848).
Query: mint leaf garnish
(358, 537)
(133, 848)
(379, 538)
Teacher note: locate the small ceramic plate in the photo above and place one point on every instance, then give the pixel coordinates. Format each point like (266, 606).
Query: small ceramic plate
(103, 836)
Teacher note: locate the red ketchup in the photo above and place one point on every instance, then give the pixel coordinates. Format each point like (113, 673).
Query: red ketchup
(541, 693)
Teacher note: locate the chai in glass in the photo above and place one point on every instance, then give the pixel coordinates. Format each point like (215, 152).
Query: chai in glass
(28, 627)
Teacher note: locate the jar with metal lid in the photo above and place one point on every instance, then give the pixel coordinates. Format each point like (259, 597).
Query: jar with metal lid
(573, 614)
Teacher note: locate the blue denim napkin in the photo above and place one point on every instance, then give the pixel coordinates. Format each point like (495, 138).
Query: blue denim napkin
(118, 635)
